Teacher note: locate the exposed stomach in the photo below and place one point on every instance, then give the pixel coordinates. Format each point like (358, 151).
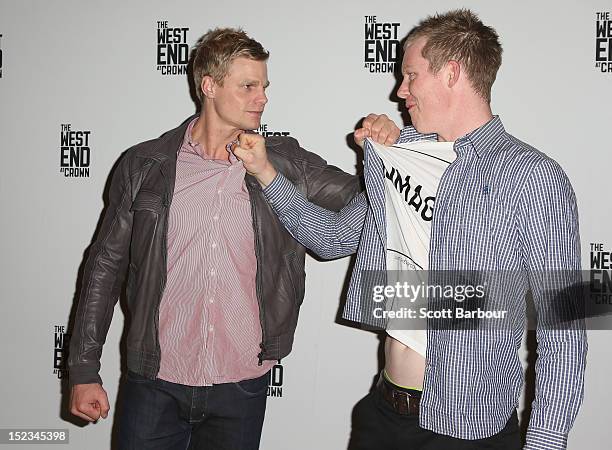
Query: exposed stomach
(403, 365)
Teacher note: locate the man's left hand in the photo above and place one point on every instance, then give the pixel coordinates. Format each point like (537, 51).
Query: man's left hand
(379, 128)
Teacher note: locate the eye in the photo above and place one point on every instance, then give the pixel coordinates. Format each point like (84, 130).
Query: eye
(411, 76)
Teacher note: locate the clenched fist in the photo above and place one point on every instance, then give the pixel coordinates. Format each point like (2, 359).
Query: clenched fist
(251, 150)
(89, 401)
(378, 127)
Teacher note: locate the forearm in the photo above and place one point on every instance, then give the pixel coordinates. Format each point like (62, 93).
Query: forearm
(327, 233)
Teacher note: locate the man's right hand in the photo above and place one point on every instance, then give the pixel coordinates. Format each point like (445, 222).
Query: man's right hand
(89, 401)
(380, 128)
(251, 150)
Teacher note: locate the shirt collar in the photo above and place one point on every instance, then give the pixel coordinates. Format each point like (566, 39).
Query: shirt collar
(189, 143)
(187, 140)
(484, 138)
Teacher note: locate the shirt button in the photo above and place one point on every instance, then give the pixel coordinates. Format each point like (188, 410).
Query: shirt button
(215, 217)
(211, 300)
(213, 272)
(219, 191)
(210, 328)
(213, 245)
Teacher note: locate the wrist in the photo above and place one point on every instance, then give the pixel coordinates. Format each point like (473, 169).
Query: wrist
(266, 176)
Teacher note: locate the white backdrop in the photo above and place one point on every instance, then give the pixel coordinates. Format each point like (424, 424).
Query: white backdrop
(93, 65)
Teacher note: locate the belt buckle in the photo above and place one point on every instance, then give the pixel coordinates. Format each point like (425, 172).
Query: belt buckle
(401, 402)
(404, 403)
(413, 403)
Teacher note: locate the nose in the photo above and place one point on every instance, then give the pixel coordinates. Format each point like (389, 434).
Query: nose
(402, 90)
(262, 98)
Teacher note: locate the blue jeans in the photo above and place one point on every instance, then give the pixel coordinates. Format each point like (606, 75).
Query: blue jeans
(159, 415)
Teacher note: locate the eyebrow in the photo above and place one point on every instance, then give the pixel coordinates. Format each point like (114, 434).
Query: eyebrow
(408, 68)
(266, 84)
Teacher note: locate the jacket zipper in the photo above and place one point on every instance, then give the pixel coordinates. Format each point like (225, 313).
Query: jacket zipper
(163, 280)
(262, 345)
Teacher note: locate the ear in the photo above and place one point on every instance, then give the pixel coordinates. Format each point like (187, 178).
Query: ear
(208, 86)
(452, 73)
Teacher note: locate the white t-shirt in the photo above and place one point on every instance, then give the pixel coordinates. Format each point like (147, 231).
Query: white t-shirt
(412, 175)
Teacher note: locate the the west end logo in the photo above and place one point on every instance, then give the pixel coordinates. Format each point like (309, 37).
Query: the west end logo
(60, 351)
(172, 49)
(275, 380)
(265, 132)
(75, 152)
(603, 42)
(0, 56)
(381, 45)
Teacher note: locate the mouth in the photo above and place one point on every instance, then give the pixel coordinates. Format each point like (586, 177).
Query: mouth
(410, 106)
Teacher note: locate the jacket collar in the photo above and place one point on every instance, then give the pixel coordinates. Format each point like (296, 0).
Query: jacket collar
(170, 142)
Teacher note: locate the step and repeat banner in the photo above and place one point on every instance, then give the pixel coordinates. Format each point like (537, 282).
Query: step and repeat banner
(80, 82)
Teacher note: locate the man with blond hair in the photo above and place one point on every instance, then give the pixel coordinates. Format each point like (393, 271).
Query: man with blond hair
(502, 207)
(214, 281)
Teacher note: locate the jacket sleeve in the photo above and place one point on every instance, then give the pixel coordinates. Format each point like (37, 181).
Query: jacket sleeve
(103, 277)
(327, 186)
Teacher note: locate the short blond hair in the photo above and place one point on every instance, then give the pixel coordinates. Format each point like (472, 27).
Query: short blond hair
(215, 51)
(460, 35)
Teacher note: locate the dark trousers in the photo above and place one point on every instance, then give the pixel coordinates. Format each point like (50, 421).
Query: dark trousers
(376, 426)
(159, 415)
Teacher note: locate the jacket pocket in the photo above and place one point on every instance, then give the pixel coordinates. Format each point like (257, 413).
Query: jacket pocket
(296, 273)
(148, 216)
(147, 201)
(131, 281)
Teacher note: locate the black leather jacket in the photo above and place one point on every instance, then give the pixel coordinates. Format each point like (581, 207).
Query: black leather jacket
(132, 241)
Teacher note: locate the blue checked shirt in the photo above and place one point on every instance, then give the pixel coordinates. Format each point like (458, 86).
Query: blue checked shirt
(501, 205)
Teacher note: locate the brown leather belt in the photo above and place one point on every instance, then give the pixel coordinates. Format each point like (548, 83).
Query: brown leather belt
(402, 402)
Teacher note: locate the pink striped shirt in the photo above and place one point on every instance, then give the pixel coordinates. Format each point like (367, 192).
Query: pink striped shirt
(209, 329)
